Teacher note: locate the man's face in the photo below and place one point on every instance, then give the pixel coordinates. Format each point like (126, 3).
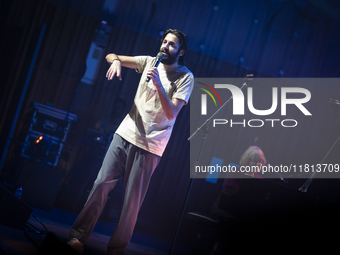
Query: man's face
(170, 48)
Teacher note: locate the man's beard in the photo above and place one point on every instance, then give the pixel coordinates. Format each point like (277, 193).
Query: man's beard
(169, 59)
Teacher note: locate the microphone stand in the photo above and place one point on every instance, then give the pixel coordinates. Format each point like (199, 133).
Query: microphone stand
(206, 130)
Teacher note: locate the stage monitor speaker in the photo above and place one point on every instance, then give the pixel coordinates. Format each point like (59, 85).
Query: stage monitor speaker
(42, 185)
(13, 212)
(52, 245)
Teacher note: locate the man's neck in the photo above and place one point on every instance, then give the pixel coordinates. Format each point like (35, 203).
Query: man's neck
(172, 66)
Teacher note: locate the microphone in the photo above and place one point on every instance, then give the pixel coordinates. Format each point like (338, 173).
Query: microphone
(159, 58)
(249, 77)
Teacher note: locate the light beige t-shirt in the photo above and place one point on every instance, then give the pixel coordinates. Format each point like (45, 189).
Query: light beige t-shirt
(146, 125)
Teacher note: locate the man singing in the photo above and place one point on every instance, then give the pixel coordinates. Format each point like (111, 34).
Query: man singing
(141, 138)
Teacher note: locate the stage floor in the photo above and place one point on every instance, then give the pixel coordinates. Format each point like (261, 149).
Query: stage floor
(58, 222)
(302, 231)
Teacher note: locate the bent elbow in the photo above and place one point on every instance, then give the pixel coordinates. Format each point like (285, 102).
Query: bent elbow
(171, 116)
(107, 58)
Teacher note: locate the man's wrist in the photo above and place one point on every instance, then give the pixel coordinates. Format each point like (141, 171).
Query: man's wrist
(114, 57)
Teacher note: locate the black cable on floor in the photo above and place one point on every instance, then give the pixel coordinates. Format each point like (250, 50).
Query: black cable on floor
(31, 240)
(30, 228)
(40, 223)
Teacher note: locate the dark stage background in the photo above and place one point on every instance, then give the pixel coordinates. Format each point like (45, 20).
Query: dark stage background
(269, 38)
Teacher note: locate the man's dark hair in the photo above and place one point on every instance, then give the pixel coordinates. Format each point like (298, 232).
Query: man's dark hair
(183, 42)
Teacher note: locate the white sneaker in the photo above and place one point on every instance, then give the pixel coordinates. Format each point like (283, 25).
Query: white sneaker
(76, 245)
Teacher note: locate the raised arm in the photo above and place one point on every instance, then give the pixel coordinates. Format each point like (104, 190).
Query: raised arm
(116, 62)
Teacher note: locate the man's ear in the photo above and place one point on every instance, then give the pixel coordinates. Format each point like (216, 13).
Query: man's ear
(181, 53)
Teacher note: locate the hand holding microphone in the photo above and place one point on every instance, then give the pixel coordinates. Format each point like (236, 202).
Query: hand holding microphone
(159, 58)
